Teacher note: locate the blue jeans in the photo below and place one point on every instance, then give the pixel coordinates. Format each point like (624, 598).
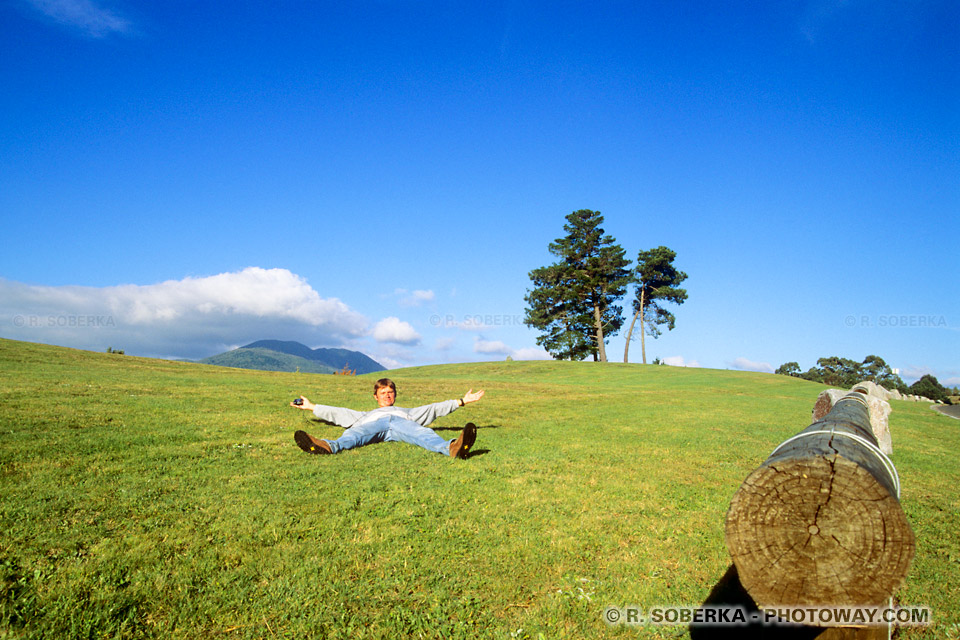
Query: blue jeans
(391, 429)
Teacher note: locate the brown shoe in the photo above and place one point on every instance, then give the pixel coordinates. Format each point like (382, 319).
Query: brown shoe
(310, 444)
(460, 448)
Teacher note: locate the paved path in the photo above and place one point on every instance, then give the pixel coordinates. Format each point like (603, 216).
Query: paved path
(952, 410)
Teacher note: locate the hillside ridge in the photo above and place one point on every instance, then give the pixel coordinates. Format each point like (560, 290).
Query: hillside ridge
(288, 355)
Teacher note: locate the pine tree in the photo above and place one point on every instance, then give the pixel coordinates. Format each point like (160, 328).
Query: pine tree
(573, 302)
(655, 280)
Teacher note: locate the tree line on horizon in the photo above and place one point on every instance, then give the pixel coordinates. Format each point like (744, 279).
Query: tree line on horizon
(845, 373)
(575, 302)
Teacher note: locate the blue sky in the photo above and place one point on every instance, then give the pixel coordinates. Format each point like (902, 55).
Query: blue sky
(181, 178)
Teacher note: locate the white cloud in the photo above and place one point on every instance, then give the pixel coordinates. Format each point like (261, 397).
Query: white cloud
(678, 361)
(497, 347)
(491, 346)
(390, 356)
(83, 14)
(748, 365)
(414, 298)
(912, 373)
(946, 377)
(190, 318)
(253, 291)
(444, 344)
(390, 363)
(395, 330)
(531, 353)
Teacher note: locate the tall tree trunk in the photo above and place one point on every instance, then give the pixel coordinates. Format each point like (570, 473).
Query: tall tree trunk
(643, 342)
(638, 314)
(598, 323)
(626, 349)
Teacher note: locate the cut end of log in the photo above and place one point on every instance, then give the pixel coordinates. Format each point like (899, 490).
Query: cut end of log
(818, 531)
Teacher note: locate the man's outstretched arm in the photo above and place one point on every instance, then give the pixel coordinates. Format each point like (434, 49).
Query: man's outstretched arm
(337, 415)
(430, 412)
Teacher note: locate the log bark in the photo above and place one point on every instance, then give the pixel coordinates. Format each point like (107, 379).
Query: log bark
(879, 411)
(819, 523)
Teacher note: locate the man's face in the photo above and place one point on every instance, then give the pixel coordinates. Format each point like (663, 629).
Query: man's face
(386, 397)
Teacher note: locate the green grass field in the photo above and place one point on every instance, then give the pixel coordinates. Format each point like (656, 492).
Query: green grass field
(149, 498)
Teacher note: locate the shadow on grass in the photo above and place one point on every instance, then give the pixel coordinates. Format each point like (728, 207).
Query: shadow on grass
(729, 592)
(479, 427)
(321, 421)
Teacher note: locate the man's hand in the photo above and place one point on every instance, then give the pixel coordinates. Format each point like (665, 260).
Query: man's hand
(307, 405)
(470, 396)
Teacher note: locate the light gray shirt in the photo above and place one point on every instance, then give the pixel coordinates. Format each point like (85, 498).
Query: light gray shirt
(347, 418)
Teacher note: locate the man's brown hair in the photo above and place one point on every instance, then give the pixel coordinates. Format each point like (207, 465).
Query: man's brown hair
(384, 382)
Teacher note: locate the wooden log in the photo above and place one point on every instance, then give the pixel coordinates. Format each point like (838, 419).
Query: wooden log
(879, 411)
(819, 523)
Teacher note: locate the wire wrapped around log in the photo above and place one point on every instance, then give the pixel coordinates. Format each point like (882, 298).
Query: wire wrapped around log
(819, 523)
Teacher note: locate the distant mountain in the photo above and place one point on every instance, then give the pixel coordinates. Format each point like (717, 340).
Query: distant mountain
(335, 358)
(265, 360)
(280, 355)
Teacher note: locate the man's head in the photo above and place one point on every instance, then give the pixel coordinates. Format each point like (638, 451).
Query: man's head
(385, 392)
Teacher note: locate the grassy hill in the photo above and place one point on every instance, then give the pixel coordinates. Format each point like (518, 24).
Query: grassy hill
(149, 498)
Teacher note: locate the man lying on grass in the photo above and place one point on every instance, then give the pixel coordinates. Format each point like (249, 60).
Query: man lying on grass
(388, 423)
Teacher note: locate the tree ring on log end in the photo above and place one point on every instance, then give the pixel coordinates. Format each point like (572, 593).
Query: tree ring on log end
(818, 531)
